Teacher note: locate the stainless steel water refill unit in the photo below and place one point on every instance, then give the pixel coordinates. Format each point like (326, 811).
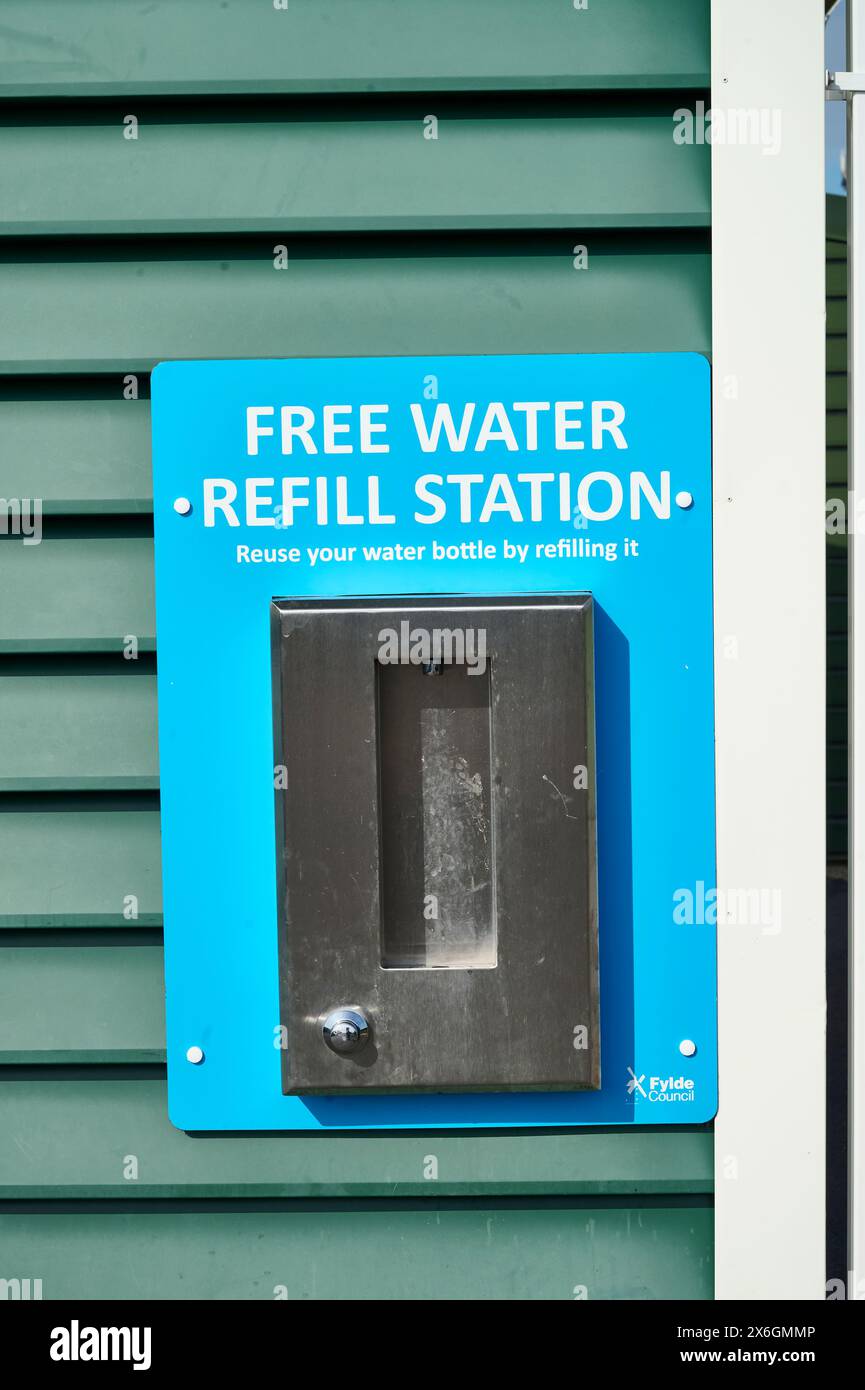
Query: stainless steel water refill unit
(437, 905)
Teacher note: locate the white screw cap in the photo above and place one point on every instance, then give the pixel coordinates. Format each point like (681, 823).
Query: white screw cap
(687, 1048)
(182, 506)
(195, 1055)
(683, 500)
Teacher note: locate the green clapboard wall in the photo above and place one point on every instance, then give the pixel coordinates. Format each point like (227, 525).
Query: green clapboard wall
(299, 125)
(836, 551)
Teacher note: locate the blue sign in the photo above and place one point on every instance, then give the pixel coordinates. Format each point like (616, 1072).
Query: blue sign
(444, 475)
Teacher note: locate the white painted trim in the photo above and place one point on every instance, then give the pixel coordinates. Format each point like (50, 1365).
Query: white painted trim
(768, 301)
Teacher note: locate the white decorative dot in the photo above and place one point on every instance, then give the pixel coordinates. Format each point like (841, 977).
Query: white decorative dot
(195, 1055)
(687, 1048)
(684, 500)
(182, 506)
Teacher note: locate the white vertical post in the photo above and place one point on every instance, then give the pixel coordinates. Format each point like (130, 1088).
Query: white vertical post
(768, 217)
(856, 667)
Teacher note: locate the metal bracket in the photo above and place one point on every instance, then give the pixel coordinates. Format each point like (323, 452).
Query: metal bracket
(841, 85)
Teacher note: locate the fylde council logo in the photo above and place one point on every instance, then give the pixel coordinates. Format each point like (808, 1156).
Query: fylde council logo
(659, 1088)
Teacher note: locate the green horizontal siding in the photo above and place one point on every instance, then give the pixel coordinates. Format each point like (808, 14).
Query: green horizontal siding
(121, 1118)
(836, 354)
(357, 166)
(836, 649)
(837, 725)
(836, 428)
(81, 47)
(102, 867)
(77, 455)
(259, 128)
(459, 1250)
(836, 570)
(836, 469)
(836, 278)
(78, 729)
(836, 839)
(102, 308)
(81, 1004)
(836, 312)
(88, 593)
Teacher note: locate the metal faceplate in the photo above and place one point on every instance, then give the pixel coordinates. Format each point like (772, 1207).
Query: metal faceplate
(436, 843)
